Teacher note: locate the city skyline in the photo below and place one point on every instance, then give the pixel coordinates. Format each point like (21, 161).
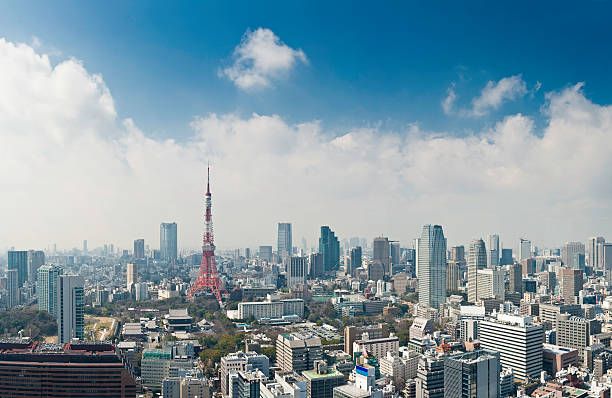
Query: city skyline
(499, 162)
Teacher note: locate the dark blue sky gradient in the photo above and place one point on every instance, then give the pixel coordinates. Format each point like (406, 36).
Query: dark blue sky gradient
(389, 65)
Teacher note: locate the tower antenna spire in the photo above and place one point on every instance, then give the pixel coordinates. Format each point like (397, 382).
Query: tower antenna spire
(208, 179)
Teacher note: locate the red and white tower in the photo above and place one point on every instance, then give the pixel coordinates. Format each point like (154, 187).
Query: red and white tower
(208, 278)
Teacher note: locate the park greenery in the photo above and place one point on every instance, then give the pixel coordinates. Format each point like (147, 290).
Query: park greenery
(33, 323)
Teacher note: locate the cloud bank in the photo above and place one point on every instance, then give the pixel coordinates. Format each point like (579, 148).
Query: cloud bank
(71, 170)
(259, 58)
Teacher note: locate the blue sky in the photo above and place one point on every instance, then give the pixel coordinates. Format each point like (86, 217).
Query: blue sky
(370, 119)
(388, 66)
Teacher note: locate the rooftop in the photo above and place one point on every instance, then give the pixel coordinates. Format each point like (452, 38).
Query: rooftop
(313, 375)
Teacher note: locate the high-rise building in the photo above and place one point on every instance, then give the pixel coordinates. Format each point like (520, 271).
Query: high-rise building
(452, 276)
(315, 265)
(524, 249)
(472, 374)
(457, 253)
(491, 284)
(506, 257)
(382, 252)
(570, 250)
(395, 252)
(575, 332)
(12, 287)
(70, 306)
(36, 258)
(168, 241)
(47, 288)
(329, 247)
(132, 275)
(518, 341)
(19, 260)
(515, 276)
(265, 253)
(284, 239)
(297, 269)
(432, 267)
(493, 252)
(549, 312)
(356, 258)
(85, 246)
(430, 377)
(605, 257)
(139, 249)
(296, 352)
(594, 251)
(477, 260)
(571, 284)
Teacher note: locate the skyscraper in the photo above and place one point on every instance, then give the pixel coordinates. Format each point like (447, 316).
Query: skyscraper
(36, 258)
(315, 265)
(432, 266)
(47, 288)
(356, 258)
(139, 248)
(329, 247)
(167, 241)
(265, 253)
(506, 257)
(297, 268)
(515, 276)
(284, 239)
(477, 260)
(70, 308)
(395, 252)
(570, 250)
(524, 249)
(84, 246)
(490, 284)
(458, 253)
(19, 260)
(452, 276)
(382, 251)
(132, 275)
(594, 251)
(12, 287)
(493, 252)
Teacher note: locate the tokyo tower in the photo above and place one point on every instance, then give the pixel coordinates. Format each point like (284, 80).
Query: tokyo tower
(208, 278)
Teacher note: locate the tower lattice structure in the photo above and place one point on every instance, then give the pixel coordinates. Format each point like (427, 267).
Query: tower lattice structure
(208, 278)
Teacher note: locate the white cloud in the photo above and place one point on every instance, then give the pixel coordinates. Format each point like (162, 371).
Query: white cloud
(495, 93)
(448, 103)
(492, 96)
(260, 57)
(71, 171)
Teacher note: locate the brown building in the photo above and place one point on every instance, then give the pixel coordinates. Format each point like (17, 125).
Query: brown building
(352, 333)
(555, 358)
(85, 369)
(571, 280)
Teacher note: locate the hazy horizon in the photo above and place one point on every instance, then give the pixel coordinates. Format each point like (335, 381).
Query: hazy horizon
(298, 134)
